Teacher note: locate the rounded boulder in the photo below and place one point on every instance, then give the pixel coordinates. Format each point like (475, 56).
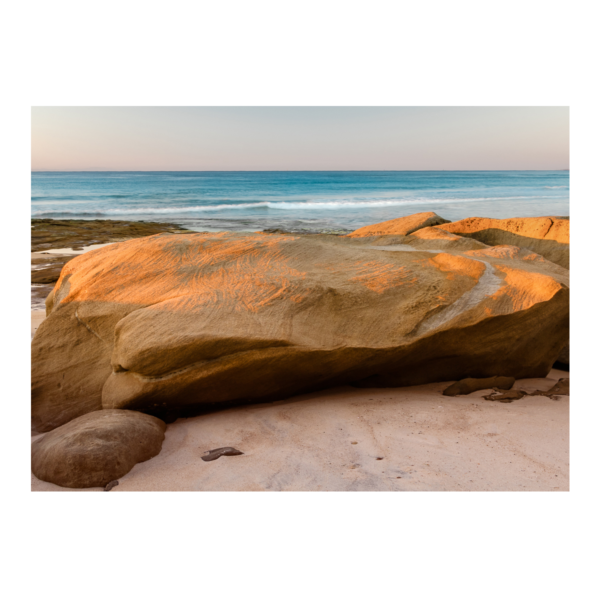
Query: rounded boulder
(96, 448)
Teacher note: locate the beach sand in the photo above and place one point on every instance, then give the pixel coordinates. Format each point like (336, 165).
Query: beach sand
(407, 439)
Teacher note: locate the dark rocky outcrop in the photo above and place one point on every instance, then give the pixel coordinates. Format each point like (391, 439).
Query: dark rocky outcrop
(560, 388)
(562, 362)
(49, 234)
(470, 385)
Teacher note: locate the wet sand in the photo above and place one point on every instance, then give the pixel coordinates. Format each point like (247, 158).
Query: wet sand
(406, 439)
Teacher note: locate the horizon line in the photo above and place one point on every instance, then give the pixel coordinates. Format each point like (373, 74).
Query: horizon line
(277, 170)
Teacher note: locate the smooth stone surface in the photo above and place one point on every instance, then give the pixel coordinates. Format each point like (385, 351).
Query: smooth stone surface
(97, 448)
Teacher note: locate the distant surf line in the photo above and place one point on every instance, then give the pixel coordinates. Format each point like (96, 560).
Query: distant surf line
(279, 206)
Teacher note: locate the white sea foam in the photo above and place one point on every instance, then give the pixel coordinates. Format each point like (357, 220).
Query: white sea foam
(308, 205)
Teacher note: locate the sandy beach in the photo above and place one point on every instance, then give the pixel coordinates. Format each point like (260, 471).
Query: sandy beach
(354, 439)
(348, 439)
(342, 272)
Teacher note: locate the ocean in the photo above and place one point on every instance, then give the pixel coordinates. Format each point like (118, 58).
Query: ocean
(299, 201)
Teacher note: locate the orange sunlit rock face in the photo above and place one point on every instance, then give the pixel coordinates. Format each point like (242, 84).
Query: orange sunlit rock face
(505, 252)
(546, 236)
(175, 322)
(249, 272)
(379, 277)
(401, 226)
(451, 264)
(539, 228)
(433, 233)
(524, 288)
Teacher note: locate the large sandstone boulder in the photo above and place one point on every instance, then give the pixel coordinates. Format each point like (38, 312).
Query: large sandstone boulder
(96, 448)
(177, 322)
(548, 236)
(401, 226)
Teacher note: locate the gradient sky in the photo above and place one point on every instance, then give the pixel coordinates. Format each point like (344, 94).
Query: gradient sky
(298, 138)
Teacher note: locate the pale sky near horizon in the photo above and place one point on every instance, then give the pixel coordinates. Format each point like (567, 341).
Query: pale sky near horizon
(298, 138)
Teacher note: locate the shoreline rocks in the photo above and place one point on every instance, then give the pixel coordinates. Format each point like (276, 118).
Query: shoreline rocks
(189, 321)
(47, 234)
(96, 449)
(560, 388)
(400, 226)
(547, 236)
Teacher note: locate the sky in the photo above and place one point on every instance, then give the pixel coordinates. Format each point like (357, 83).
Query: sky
(298, 138)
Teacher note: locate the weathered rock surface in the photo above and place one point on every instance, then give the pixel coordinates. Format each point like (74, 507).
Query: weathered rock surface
(97, 448)
(470, 385)
(401, 226)
(548, 236)
(207, 320)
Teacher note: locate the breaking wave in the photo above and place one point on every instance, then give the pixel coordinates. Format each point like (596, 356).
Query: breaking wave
(337, 205)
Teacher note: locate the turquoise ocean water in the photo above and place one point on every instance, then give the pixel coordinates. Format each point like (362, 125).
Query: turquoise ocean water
(296, 201)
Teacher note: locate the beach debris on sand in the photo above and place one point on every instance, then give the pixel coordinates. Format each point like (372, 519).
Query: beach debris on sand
(560, 388)
(507, 396)
(218, 452)
(470, 385)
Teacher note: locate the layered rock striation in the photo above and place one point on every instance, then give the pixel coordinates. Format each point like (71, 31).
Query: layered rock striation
(547, 236)
(202, 321)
